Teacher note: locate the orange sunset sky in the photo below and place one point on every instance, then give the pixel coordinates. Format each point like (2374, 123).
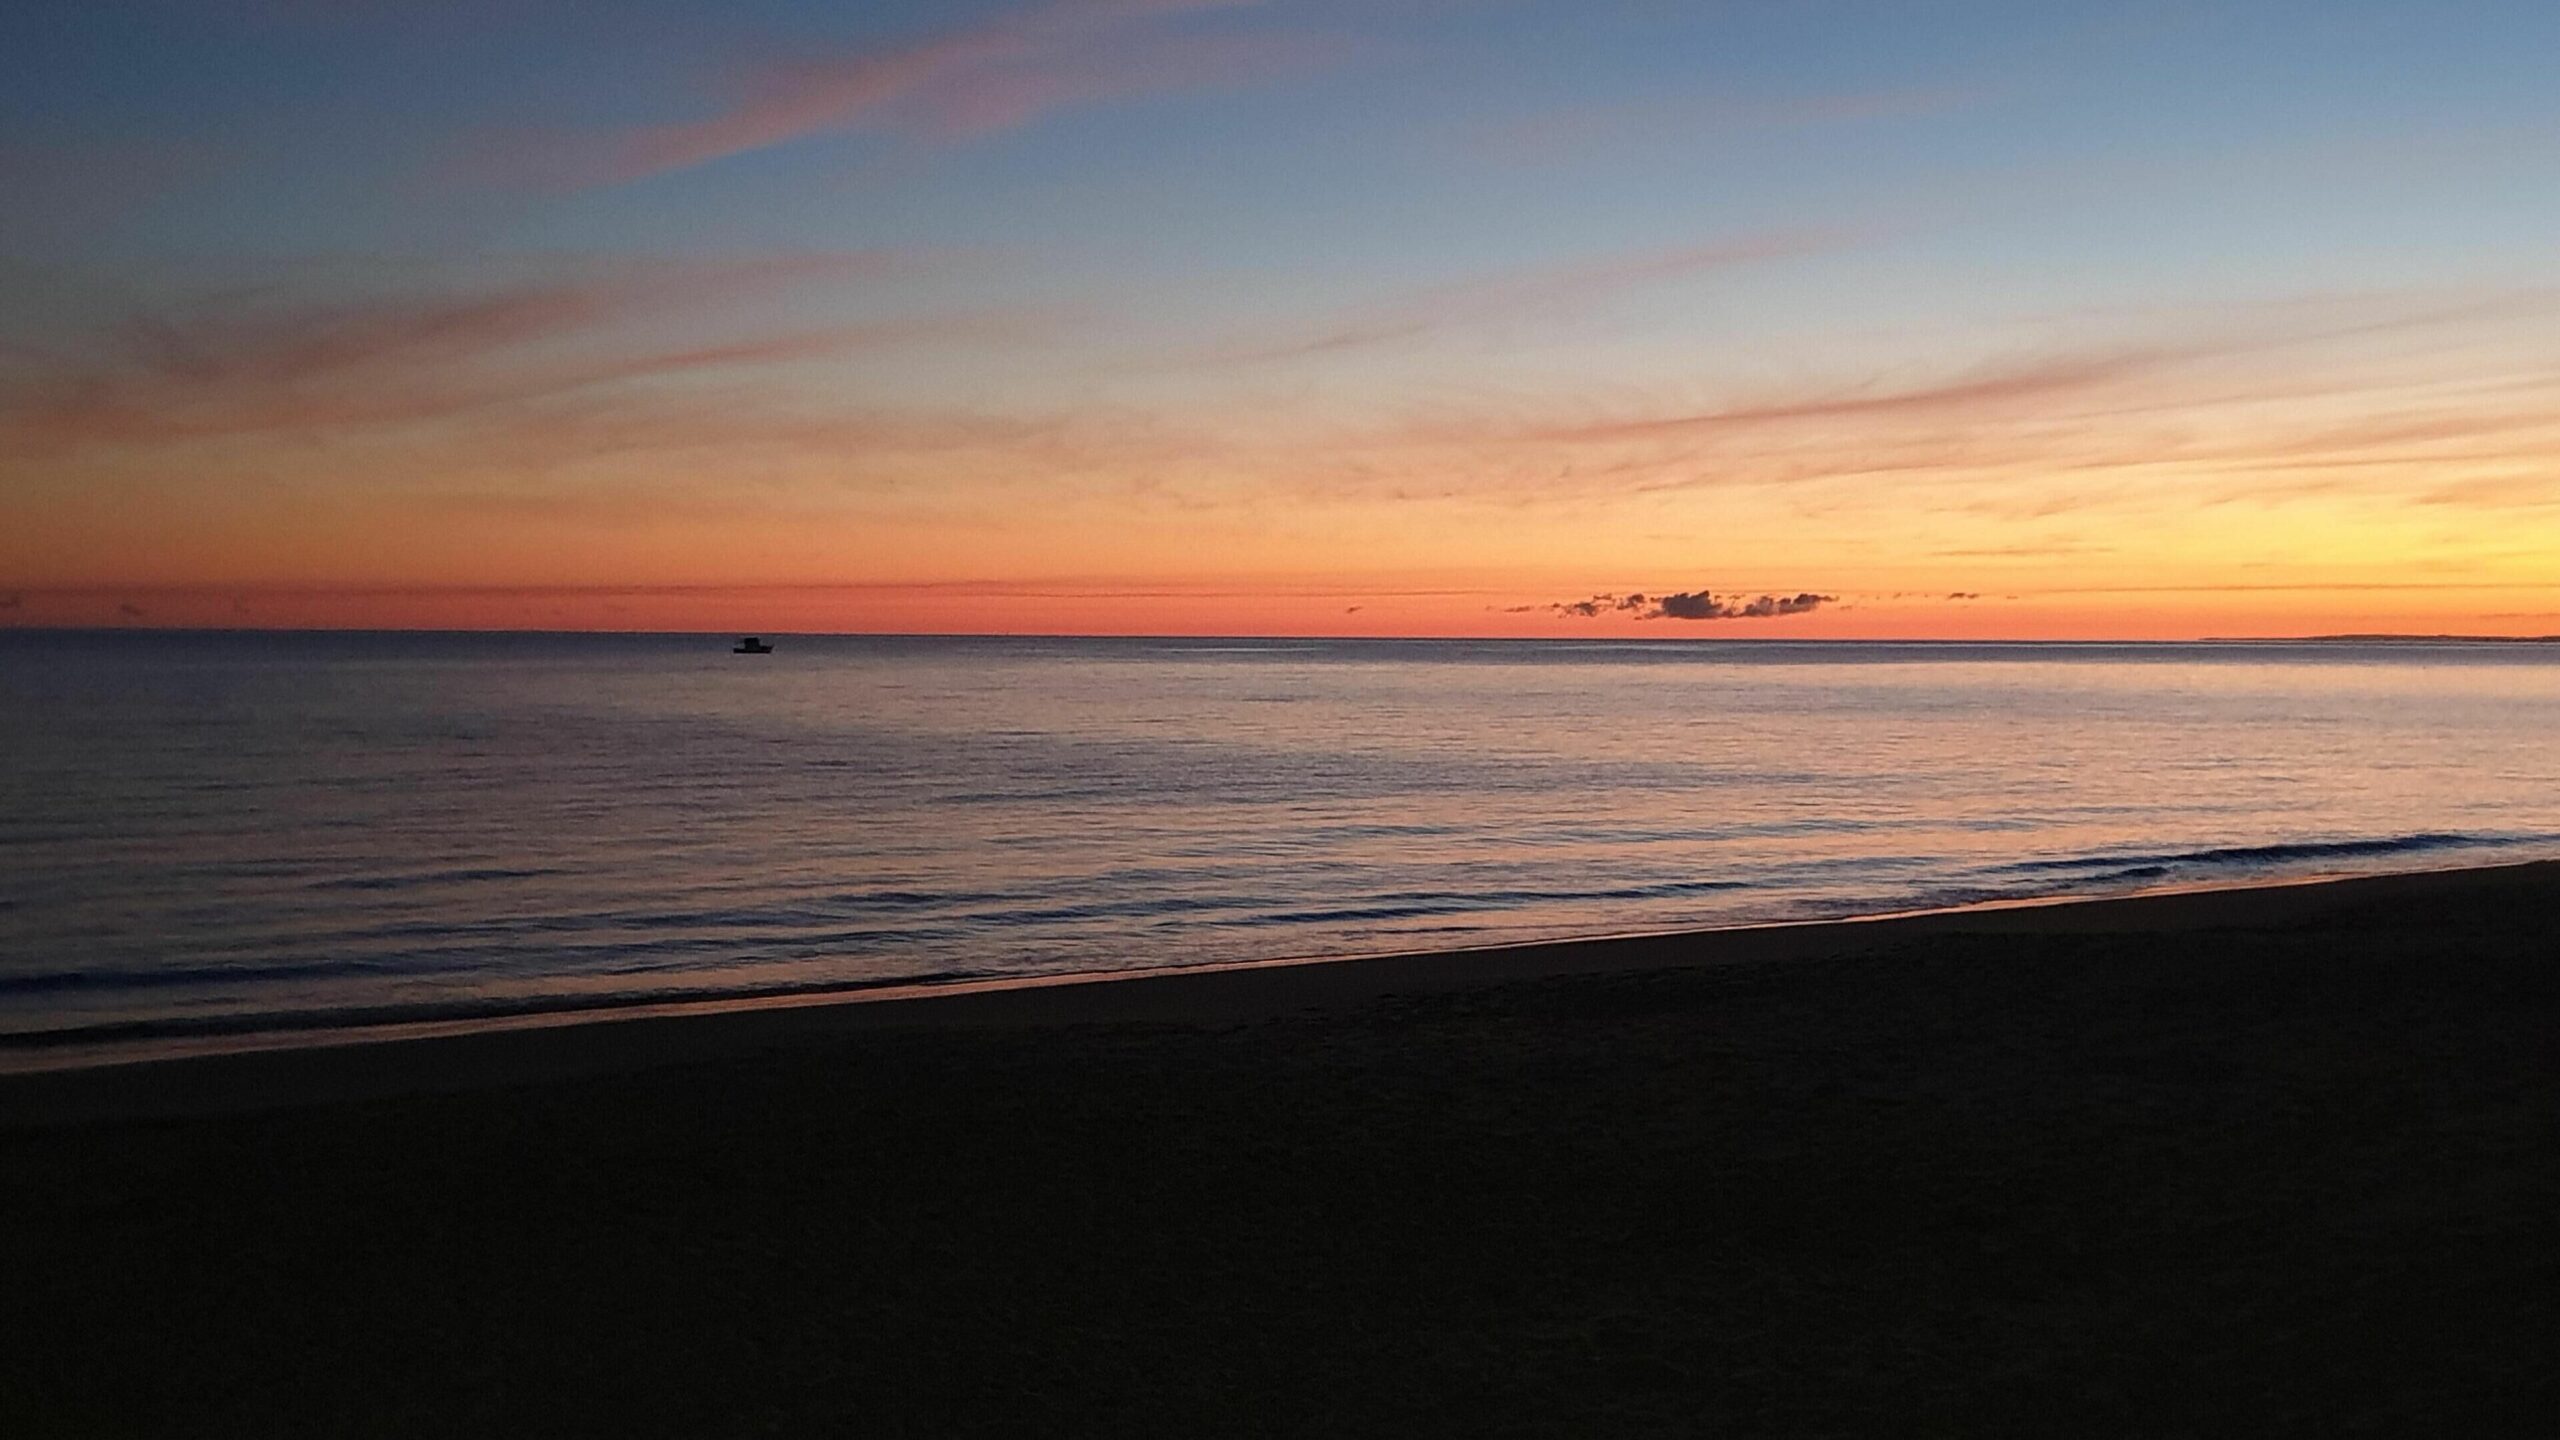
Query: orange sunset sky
(1146, 316)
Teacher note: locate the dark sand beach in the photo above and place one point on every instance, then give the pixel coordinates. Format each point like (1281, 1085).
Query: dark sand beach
(2283, 1160)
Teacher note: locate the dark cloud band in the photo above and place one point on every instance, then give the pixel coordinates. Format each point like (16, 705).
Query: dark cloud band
(1689, 605)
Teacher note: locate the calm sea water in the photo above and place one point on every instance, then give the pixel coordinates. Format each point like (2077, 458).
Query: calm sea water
(221, 833)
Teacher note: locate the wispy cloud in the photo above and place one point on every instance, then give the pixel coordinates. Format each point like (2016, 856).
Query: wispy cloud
(1570, 133)
(2415, 390)
(972, 80)
(668, 436)
(2537, 491)
(1496, 296)
(256, 364)
(2033, 381)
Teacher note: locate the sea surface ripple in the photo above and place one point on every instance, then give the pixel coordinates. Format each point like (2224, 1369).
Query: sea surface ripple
(215, 833)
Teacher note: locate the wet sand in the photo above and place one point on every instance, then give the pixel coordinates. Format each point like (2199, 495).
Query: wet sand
(2283, 1160)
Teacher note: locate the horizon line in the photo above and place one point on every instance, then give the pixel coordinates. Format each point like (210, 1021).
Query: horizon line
(2345, 637)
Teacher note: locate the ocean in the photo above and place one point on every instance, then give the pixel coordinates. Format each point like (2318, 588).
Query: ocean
(217, 838)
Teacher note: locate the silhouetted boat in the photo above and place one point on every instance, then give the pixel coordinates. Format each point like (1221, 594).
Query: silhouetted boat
(750, 645)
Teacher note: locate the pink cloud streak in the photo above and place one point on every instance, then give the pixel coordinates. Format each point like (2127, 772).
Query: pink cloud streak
(1489, 297)
(1561, 135)
(975, 80)
(243, 367)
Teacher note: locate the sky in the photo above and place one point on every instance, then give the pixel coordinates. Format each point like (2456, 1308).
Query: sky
(1608, 318)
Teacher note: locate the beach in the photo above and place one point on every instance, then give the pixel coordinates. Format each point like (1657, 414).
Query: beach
(2257, 1160)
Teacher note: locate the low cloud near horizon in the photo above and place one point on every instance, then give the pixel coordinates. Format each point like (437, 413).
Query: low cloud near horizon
(1688, 605)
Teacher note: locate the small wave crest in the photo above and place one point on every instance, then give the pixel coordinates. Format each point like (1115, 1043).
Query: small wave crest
(165, 977)
(360, 1017)
(430, 878)
(2158, 863)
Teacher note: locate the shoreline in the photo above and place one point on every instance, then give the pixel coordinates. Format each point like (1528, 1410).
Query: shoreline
(47, 1084)
(142, 1042)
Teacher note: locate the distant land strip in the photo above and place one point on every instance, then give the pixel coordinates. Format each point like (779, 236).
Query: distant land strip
(2384, 639)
